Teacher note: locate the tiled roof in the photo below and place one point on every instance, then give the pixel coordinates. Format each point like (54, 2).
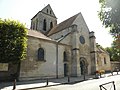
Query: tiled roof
(37, 34)
(65, 24)
(101, 50)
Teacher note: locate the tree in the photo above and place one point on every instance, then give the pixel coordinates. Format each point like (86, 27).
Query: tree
(110, 51)
(113, 52)
(116, 51)
(109, 14)
(13, 37)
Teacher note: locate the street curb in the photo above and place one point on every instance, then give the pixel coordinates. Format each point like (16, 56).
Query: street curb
(54, 85)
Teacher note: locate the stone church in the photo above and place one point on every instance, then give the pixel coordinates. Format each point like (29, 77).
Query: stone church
(59, 50)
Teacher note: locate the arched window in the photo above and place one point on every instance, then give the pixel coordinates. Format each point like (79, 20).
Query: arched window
(105, 61)
(51, 25)
(65, 56)
(44, 24)
(40, 54)
(47, 10)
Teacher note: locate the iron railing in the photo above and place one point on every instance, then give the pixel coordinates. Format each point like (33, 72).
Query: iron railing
(112, 86)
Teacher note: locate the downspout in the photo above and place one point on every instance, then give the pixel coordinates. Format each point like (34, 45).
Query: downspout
(57, 60)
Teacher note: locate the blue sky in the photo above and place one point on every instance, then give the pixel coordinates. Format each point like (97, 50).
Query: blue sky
(24, 10)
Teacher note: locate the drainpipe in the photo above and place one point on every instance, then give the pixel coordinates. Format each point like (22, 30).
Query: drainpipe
(57, 60)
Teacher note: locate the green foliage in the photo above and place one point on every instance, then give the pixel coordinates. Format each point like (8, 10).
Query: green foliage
(113, 52)
(13, 37)
(116, 51)
(110, 51)
(109, 14)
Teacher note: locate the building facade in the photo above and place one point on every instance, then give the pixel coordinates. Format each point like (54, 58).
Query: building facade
(103, 59)
(58, 50)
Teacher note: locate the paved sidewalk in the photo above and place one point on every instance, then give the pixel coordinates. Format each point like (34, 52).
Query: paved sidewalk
(23, 85)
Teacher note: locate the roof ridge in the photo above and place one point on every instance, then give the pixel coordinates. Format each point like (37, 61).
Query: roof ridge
(43, 12)
(68, 18)
(64, 24)
(37, 34)
(45, 7)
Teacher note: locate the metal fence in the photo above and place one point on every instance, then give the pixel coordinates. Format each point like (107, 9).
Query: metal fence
(108, 86)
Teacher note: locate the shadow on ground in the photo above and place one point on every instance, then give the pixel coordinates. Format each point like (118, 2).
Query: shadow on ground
(47, 82)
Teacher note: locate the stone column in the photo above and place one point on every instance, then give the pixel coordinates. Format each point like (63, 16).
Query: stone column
(75, 68)
(93, 53)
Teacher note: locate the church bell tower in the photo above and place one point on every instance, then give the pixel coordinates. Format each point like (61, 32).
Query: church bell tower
(44, 20)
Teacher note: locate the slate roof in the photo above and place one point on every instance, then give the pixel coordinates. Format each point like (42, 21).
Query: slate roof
(37, 34)
(65, 24)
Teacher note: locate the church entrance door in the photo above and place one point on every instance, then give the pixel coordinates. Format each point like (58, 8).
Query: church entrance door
(65, 69)
(83, 66)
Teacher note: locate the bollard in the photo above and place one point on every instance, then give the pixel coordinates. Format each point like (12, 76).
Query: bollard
(100, 75)
(47, 82)
(14, 84)
(112, 73)
(117, 71)
(114, 85)
(84, 77)
(68, 78)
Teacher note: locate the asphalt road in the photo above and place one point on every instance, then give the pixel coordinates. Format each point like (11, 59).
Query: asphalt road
(88, 85)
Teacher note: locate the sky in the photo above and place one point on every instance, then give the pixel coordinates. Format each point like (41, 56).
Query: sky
(24, 10)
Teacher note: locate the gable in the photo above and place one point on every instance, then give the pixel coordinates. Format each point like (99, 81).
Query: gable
(81, 23)
(63, 25)
(101, 50)
(46, 10)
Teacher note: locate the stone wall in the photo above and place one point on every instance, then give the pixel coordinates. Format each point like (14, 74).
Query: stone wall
(8, 71)
(115, 65)
(32, 68)
(79, 50)
(104, 65)
(84, 48)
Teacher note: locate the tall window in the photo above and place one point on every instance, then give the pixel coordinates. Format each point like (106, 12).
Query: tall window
(36, 23)
(47, 10)
(40, 54)
(50, 12)
(65, 56)
(51, 25)
(105, 61)
(33, 26)
(44, 25)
